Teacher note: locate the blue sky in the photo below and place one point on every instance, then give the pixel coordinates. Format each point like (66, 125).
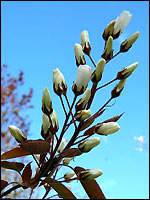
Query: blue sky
(39, 36)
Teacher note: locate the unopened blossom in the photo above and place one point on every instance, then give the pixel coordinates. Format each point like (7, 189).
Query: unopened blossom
(85, 42)
(62, 145)
(70, 175)
(118, 89)
(17, 133)
(89, 144)
(66, 161)
(59, 84)
(45, 131)
(127, 71)
(108, 30)
(97, 74)
(90, 174)
(80, 105)
(107, 128)
(46, 102)
(127, 44)
(53, 122)
(80, 60)
(108, 51)
(82, 115)
(121, 22)
(83, 77)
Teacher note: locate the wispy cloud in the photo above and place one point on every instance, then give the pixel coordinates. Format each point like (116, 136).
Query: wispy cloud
(141, 143)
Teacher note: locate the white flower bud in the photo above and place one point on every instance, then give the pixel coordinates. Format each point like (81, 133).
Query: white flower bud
(46, 102)
(82, 115)
(46, 123)
(83, 77)
(85, 42)
(70, 175)
(121, 22)
(62, 145)
(127, 71)
(108, 30)
(80, 60)
(97, 74)
(80, 105)
(17, 133)
(59, 84)
(107, 128)
(127, 44)
(89, 144)
(118, 89)
(66, 161)
(54, 122)
(90, 174)
(108, 51)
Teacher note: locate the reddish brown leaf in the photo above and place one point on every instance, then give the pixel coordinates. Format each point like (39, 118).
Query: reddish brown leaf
(91, 187)
(63, 191)
(14, 153)
(113, 119)
(27, 173)
(36, 146)
(70, 153)
(90, 131)
(87, 123)
(3, 184)
(17, 166)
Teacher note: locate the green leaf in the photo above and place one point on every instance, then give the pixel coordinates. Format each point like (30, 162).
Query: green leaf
(63, 191)
(91, 186)
(17, 166)
(14, 153)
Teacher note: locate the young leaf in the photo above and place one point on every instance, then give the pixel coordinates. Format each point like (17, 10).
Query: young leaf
(63, 191)
(91, 187)
(90, 131)
(35, 146)
(17, 166)
(3, 184)
(14, 153)
(27, 173)
(70, 153)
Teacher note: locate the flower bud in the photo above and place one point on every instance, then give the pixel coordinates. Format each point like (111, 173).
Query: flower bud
(66, 161)
(127, 71)
(127, 44)
(80, 60)
(121, 22)
(82, 115)
(83, 77)
(80, 105)
(90, 174)
(88, 144)
(85, 42)
(108, 51)
(54, 122)
(108, 30)
(59, 84)
(45, 132)
(46, 102)
(17, 133)
(97, 74)
(62, 145)
(118, 89)
(107, 128)
(70, 175)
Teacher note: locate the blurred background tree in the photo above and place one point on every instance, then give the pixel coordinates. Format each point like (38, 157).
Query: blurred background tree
(13, 109)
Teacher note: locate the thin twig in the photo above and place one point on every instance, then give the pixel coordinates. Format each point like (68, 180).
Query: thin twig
(106, 84)
(92, 60)
(113, 56)
(11, 189)
(63, 105)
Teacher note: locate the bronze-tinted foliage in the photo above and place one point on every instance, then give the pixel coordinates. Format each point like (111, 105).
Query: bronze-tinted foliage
(91, 187)
(17, 166)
